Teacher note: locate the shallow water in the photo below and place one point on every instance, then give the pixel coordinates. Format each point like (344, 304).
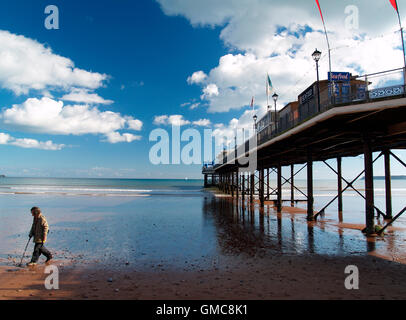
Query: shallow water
(186, 229)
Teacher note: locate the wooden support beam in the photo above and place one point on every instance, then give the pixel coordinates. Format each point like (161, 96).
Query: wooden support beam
(232, 183)
(252, 187)
(279, 201)
(310, 198)
(229, 183)
(262, 187)
(243, 186)
(340, 188)
(388, 184)
(292, 185)
(268, 189)
(369, 186)
(237, 184)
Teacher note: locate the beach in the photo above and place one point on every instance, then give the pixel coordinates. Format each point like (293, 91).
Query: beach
(247, 278)
(179, 241)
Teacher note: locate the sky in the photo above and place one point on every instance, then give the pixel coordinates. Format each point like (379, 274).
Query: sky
(82, 100)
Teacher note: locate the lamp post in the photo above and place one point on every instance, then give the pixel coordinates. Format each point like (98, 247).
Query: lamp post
(255, 123)
(268, 130)
(316, 57)
(275, 99)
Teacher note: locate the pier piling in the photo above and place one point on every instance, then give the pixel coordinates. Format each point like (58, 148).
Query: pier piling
(310, 199)
(369, 185)
(261, 187)
(388, 186)
(340, 188)
(279, 200)
(237, 175)
(252, 187)
(292, 185)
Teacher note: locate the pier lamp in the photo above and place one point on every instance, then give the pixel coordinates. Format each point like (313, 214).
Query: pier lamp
(275, 99)
(316, 57)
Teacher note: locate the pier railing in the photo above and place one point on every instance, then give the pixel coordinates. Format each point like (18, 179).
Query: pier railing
(360, 90)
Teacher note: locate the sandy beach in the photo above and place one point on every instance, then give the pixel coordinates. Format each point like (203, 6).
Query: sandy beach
(196, 247)
(267, 278)
(245, 273)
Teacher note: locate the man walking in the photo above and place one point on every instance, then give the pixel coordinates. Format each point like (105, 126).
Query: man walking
(39, 231)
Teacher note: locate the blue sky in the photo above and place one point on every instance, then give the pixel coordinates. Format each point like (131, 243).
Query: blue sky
(148, 57)
(145, 58)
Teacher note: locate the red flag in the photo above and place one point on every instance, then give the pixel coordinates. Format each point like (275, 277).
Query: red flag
(394, 4)
(252, 102)
(321, 13)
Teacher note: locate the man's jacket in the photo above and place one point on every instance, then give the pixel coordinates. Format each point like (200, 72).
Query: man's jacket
(39, 229)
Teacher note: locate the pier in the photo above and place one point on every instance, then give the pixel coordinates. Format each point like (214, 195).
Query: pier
(360, 118)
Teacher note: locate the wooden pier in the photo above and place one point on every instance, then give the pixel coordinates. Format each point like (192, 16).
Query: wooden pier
(357, 125)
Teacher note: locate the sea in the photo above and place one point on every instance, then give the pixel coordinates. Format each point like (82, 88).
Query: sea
(145, 222)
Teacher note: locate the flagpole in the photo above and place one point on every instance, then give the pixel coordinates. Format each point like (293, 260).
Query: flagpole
(328, 46)
(403, 46)
(267, 91)
(331, 89)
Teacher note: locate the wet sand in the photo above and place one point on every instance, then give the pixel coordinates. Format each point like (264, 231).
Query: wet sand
(278, 277)
(202, 247)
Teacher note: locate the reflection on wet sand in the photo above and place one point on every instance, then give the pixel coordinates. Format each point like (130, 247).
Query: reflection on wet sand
(246, 228)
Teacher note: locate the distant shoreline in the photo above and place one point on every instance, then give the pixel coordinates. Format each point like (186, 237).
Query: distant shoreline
(94, 178)
(392, 177)
(174, 179)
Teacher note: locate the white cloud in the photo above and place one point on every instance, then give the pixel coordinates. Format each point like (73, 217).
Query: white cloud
(52, 117)
(211, 90)
(26, 65)
(160, 120)
(84, 96)
(116, 137)
(194, 106)
(174, 120)
(6, 139)
(177, 120)
(134, 124)
(197, 77)
(279, 37)
(202, 123)
(226, 133)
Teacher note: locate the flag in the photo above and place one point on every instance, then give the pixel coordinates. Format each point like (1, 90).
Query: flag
(252, 102)
(269, 86)
(394, 4)
(321, 13)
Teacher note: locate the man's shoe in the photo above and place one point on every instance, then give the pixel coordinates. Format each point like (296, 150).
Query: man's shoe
(49, 259)
(31, 264)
